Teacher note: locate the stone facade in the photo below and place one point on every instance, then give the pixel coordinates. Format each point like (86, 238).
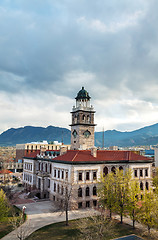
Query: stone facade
(50, 178)
(82, 127)
(77, 171)
(81, 141)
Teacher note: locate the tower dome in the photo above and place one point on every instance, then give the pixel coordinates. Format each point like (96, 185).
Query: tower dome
(83, 94)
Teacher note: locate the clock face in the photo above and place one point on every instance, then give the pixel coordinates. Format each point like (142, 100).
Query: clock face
(74, 133)
(86, 134)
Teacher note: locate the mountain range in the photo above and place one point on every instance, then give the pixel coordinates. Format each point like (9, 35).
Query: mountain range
(143, 136)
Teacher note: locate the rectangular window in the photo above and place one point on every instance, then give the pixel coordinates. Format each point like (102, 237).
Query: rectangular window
(87, 176)
(80, 205)
(66, 175)
(135, 173)
(48, 183)
(87, 204)
(94, 175)
(80, 176)
(58, 173)
(146, 172)
(54, 172)
(54, 187)
(94, 203)
(62, 174)
(141, 173)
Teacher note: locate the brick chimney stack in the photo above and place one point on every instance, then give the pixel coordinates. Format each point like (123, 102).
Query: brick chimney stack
(63, 150)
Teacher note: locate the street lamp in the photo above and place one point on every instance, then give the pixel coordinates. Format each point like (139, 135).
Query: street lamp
(23, 213)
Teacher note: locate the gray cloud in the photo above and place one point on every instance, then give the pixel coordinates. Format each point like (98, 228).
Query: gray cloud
(55, 47)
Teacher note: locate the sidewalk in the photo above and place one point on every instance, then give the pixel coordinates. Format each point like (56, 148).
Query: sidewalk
(42, 214)
(37, 220)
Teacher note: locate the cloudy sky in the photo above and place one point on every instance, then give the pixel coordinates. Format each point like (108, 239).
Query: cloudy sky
(50, 49)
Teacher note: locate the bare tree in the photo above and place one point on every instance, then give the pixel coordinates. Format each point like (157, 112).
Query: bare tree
(96, 227)
(65, 204)
(22, 228)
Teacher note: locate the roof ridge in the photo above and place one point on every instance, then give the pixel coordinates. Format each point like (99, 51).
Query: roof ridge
(75, 155)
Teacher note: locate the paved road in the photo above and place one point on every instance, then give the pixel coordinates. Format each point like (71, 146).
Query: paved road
(41, 214)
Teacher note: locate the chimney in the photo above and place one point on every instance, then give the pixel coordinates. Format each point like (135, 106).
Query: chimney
(63, 150)
(94, 152)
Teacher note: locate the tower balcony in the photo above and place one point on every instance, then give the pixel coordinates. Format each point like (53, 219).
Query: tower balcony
(82, 108)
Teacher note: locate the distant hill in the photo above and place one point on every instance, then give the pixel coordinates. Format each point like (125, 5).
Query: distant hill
(28, 134)
(144, 136)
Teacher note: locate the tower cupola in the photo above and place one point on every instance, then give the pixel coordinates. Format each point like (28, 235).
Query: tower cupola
(82, 127)
(83, 100)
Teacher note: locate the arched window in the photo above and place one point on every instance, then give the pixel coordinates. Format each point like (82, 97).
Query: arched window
(113, 169)
(83, 117)
(105, 171)
(75, 119)
(141, 185)
(80, 192)
(58, 188)
(31, 148)
(36, 147)
(94, 191)
(87, 191)
(147, 185)
(120, 168)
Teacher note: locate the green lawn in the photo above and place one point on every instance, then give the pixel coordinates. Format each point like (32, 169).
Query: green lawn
(59, 231)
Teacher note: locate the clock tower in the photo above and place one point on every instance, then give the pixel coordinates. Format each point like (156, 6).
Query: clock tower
(82, 127)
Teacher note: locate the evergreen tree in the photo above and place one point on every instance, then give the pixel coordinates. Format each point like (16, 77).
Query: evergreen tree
(4, 205)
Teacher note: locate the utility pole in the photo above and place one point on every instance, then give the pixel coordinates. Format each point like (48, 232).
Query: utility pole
(62, 137)
(103, 139)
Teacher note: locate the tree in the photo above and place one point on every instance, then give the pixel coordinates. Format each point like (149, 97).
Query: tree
(96, 227)
(22, 229)
(107, 192)
(122, 191)
(133, 200)
(65, 203)
(149, 210)
(155, 181)
(4, 205)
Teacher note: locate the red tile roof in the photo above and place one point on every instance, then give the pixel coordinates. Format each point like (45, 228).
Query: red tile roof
(85, 156)
(32, 154)
(102, 155)
(5, 171)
